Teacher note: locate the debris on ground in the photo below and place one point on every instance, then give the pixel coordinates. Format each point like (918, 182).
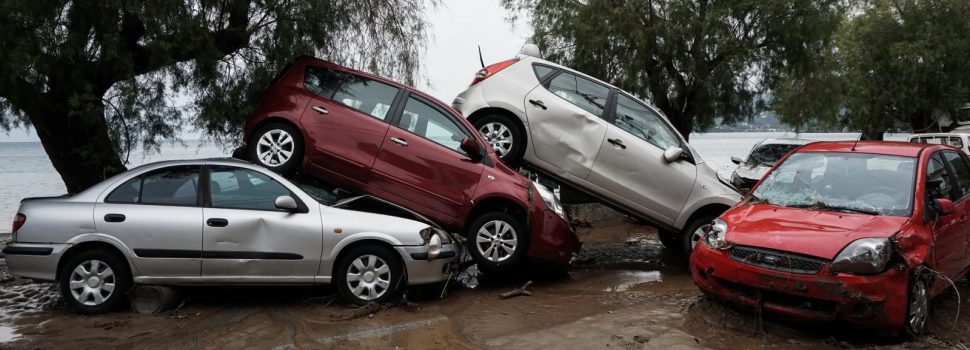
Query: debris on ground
(518, 292)
(468, 277)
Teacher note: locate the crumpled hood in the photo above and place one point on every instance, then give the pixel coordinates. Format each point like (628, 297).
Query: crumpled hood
(752, 172)
(805, 231)
(351, 221)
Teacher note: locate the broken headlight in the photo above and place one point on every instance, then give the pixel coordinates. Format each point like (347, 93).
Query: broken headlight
(864, 256)
(434, 238)
(715, 234)
(551, 200)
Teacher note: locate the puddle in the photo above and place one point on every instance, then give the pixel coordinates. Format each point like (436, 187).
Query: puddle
(8, 334)
(629, 279)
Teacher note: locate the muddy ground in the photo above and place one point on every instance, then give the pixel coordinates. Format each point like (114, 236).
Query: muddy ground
(623, 291)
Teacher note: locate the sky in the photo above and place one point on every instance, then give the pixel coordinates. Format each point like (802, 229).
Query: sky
(451, 57)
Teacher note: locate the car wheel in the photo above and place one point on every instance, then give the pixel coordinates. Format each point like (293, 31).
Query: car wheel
(94, 282)
(369, 273)
(670, 240)
(278, 147)
(918, 309)
(498, 242)
(505, 136)
(693, 232)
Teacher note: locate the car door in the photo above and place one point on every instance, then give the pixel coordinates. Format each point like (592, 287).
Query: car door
(566, 122)
(949, 231)
(957, 162)
(158, 215)
(345, 121)
(247, 238)
(631, 163)
(421, 164)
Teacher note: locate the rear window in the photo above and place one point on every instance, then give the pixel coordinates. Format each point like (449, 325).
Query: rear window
(767, 155)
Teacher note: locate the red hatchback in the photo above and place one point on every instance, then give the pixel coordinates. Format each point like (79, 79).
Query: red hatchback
(864, 232)
(393, 142)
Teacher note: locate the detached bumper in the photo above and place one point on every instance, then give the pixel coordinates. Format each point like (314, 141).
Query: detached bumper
(553, 239)
(872, 301)
(423, 270)
(36, 261)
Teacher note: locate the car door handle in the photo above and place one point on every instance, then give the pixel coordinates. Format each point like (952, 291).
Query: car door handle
(216, 222)
(114, 218)
(617, 143)
(321, 110)
(538, 103)
(399, 141)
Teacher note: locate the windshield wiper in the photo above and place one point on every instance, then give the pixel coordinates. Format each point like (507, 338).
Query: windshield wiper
(824, 206)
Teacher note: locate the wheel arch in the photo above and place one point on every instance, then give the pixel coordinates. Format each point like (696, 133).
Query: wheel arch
(92, 245)
(274, 119)
(481, 113)
(363, 242)
(497, 203)
(713, 209)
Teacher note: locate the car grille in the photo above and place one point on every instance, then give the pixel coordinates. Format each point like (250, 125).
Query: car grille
(777, 260)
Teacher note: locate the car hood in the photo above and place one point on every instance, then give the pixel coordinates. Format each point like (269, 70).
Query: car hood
(811, 232)
(752, 172)
(406, 231)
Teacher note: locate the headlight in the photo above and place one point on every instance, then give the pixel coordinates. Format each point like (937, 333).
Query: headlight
(864, 256)
(434, 247)
(434, 238)
(551, 200)
(716, 233)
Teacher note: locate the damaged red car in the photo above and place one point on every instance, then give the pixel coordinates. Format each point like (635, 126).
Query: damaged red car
(864, 232)
(369, 134)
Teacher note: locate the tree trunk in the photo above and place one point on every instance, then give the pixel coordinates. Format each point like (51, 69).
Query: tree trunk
(683, 123)
(77, 141)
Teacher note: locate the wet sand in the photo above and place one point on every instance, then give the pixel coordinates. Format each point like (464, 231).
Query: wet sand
(623, 291)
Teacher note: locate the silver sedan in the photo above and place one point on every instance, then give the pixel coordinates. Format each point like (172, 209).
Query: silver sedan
(217, 222)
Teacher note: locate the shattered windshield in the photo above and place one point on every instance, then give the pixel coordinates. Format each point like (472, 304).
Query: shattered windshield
(767, 155)
(840, 181)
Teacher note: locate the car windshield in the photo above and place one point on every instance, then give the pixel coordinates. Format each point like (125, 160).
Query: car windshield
(840, 181)
(767, 155)
(320, 191)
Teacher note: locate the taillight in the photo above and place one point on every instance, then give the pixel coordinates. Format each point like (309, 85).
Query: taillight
(486, 72)
(18, 222)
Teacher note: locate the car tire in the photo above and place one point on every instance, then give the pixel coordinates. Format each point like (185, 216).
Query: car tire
(369, 274)
(95, 282)
(670, 240)
(277, 147)
(490, 239)
(505, 136)
(690, 235)
(917, 304)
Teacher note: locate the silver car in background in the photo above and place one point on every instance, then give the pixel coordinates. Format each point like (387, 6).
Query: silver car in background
(597, 139)
(762, 158)
(216, 222)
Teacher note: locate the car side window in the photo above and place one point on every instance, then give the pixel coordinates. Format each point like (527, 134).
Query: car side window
(961, 172)
(638, 120)
(177, 185)
(428, 122)
(542, 71)
(240, 188)
(368, 96)
(956, 142)
(581, 92)
(938, 180)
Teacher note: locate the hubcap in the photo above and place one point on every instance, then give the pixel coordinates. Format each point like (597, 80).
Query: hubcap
(92, 282)
(275, 147)
(499, 136)
(918, 306)
(496, 241)
(368, 277)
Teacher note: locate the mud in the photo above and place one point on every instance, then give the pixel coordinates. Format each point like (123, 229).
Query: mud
(624, 291)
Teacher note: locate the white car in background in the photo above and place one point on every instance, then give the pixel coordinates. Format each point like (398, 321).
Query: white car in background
(956, 139)
(597, 139)
(762, 158)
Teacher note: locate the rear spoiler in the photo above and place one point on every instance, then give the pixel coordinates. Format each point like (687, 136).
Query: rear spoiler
(66, 195)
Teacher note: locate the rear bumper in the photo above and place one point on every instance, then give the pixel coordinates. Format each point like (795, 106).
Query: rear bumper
(872, 301)
(422, 270)
(553, 239)
(34, 260)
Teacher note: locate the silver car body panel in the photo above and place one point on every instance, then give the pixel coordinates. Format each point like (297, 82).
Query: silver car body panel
(571, 148)
(256, 247)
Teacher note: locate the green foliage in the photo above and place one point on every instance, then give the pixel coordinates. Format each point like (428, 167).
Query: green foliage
(898, 63)
(696, 60)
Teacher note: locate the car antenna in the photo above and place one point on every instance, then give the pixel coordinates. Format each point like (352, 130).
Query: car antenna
(857, 142)
(480, 59)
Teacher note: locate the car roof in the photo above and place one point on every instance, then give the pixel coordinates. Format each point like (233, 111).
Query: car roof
(786, 141)
(894, 148)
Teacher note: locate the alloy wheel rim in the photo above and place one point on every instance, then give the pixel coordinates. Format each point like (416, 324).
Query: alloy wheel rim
(92, 282)
(918, 306)
(499, 137)
(496, 241)
(369, 277)
(275, 147)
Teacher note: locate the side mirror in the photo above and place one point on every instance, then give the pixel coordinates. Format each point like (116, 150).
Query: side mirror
(673, 154)
(470, 146)
(736, 160)
(286, 203)
(944, 206)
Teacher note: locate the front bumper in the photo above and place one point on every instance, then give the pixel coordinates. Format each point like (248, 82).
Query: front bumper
(422, 270)
(878, 301)
(36, 261)
(553, 239)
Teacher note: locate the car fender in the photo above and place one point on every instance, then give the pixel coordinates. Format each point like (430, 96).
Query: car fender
(104, 238)
(725, 199)
(328, 259)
